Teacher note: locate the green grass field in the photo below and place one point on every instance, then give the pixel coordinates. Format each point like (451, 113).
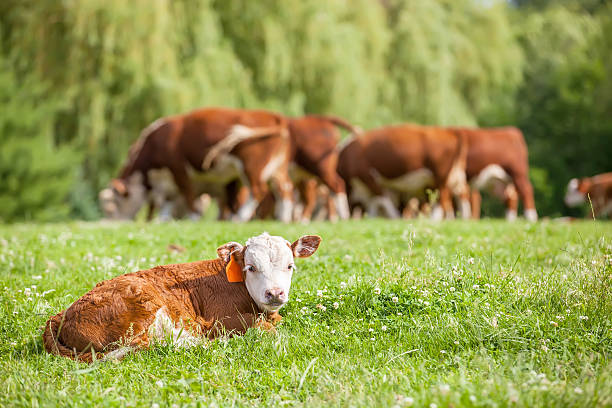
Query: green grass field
(384, 314)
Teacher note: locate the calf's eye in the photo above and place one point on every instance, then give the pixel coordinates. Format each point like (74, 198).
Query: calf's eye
(250, 268)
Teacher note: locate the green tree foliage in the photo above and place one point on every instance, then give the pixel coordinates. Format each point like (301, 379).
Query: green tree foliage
(81, 79)
(35, 175)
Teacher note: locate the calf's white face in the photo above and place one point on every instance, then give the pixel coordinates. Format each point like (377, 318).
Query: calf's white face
(268, 265)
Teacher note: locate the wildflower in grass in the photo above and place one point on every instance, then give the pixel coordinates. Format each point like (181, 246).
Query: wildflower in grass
(433, 405)
(27, 292)
(456, 342)
(321, 307)
(442, 351)
(304, 310)
(394, 299)
(336, 305)
(159, 383)
(399, 313)
(377, 291)
(413, 287)
(584, 317)
(13, 343)
(372, 338)
(319, 293)
(426, 303)
(560, 318)
(452, 288)
(494, 322)
(333, 332)
(342, 285)
(470, 261)
(554, 324)
(37, 277)
(370, 330)
(155, 405)
(473, 399)
(544, 348)
(578, 390)
(477, 286)
(384, 328)
(444, 389)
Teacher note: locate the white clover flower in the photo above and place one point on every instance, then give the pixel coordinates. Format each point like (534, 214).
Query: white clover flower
(442, 351)
(477, 286)
(336, 305)
(159, 383)
(27, 292)
(155, 405)
(470, 261)
(408, 401)
(452, 288)
(578, 390)
(37, 277)
(370, 330)
(456, 342)
(342, 285)
(321, 307)
(554, 324)
(319, 293)
(384, 328)
(377, 291)
(399, 313)
(584, 317)
(473, 399)
(372, 338)
(333, 332)
(426, 303)
(433, 405)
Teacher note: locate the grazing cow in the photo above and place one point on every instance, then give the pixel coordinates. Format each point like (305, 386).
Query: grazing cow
(597, 190)
(497, 161)
(406, 159)
(223, 144)
(314, 139)
(244, 287)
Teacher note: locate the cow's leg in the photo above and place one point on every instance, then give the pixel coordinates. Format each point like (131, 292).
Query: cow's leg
(381, 198)
(511, 201)
(308, 191)
(284, 187)
(476, 202)
(446, 202)
(329, 176)
(525, 192)
(181, 178)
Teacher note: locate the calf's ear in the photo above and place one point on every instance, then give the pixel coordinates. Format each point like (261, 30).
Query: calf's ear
(226, 250)
(305, 246)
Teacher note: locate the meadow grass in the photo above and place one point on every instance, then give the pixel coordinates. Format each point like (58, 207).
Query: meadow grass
(384, 314)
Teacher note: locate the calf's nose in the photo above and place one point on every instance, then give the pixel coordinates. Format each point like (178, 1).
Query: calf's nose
(275, 295)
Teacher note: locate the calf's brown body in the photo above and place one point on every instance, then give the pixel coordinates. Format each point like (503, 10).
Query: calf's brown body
(121, 310)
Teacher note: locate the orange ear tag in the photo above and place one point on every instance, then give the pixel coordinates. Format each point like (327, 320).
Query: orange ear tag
(233, 271)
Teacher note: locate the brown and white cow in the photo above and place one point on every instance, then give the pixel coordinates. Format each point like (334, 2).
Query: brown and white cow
(497, 161)
(597, 190)
(406, 159)
(184, 303)
(223, 144)
(314, 140)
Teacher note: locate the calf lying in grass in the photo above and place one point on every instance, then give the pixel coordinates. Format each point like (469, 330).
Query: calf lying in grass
(244, 287)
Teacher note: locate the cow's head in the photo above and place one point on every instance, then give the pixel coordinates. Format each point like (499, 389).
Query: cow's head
(122, 199)
(266, 265)
(576, 193)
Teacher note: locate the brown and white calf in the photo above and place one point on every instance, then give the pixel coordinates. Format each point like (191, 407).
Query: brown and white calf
(406, 159)
(185, 303)
(596, 189)
(221, 144)
(497, 161)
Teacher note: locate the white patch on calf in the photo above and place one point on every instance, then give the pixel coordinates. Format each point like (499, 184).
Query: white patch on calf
(164, 329)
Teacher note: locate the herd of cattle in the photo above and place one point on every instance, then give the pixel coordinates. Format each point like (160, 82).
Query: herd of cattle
(257, 163)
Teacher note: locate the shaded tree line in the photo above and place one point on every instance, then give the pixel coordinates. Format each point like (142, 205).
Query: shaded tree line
(79, 80)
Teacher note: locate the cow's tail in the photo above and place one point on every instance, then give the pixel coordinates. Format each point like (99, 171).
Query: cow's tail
(354, 130)
(238, 134)
(53, 344)
(457, 179)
